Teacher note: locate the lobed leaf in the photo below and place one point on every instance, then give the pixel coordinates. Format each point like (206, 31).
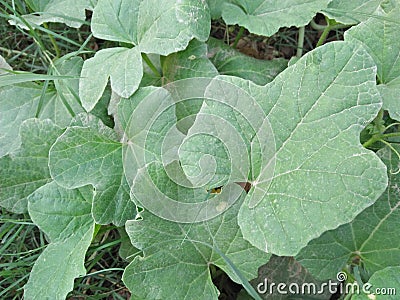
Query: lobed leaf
(89, 154)
(266, 17)
(379, 37)
(371, 238)
(122, 65)
(152, 28)
(65, 216)
(172, 250)
(323, 176)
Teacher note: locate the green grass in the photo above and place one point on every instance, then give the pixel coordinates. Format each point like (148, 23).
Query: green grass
(22, 243)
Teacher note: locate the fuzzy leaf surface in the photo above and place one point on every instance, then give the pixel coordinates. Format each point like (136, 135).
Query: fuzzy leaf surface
(123, 66)
(191, 62)
(151, 28)
(88, 155)
(70, 12)
(372, 237)
(317, 109)
(172, 250)
(351, 12)
(21, 102)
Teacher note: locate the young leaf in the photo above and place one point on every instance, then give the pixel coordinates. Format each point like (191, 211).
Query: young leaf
(380, 39)
(151, 27)
(18, 103)
(172, 250)
(371, 238)
(228, 61)
(65, 216)
(27, 169)
(122, 65)
(70, 12)
(90, 154)
(266, 17)
(317, 109)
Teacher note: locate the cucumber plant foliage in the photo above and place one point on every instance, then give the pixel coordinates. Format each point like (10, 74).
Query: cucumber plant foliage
(159, 133)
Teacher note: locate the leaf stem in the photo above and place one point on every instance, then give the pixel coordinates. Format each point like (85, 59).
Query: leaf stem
(332, 25)
(300, 42)
(380, 137)
(323, 36)
(151, 65)
(238, 36)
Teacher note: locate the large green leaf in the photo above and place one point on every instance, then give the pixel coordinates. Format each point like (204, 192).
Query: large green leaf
(266, 17)
(351, 12)
(172, 250)
(151, 27)
(379, 36)
(228, 61)
(27, 169)
(383, 285)
(65, 216)
(89, 153)
(371, 238)
(70, 12)
(323, 176)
